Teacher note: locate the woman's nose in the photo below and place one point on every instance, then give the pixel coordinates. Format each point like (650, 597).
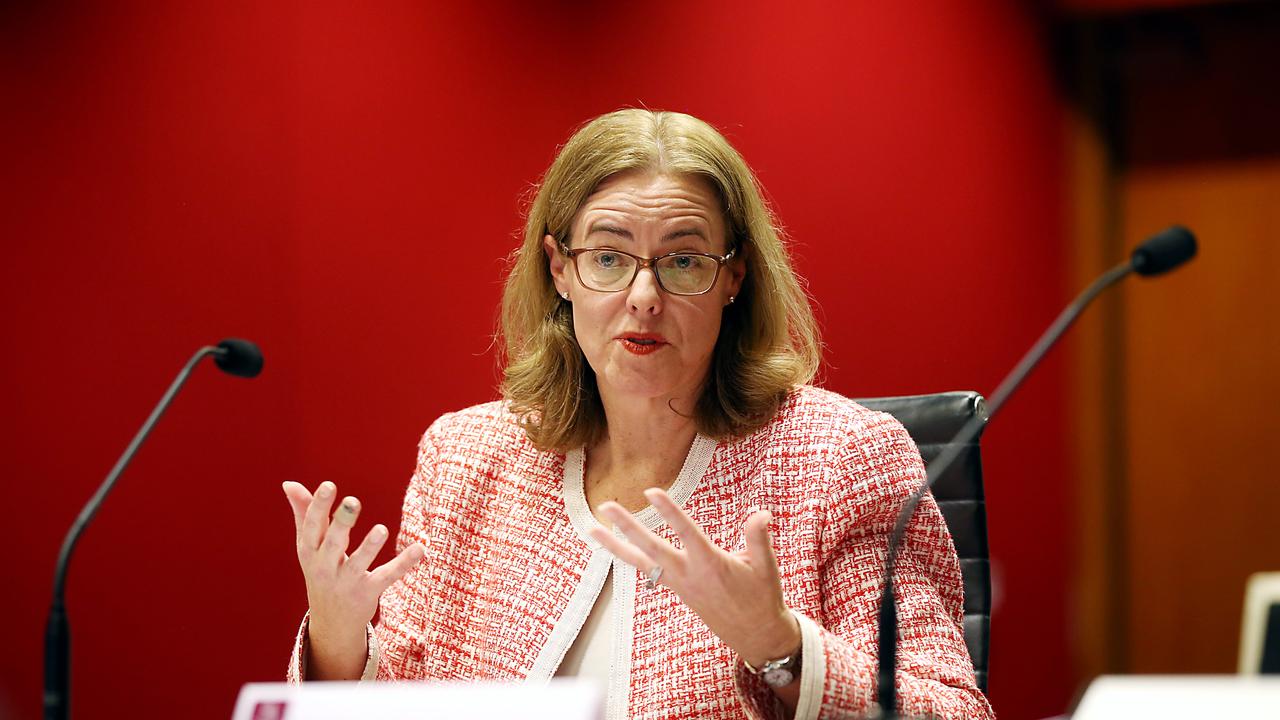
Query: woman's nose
(644, 295)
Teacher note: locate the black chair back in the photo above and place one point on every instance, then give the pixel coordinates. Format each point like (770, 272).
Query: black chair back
(932, 421)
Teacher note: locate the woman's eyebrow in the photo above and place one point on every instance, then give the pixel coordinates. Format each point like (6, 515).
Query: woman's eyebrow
(686, 232)
(606, 227)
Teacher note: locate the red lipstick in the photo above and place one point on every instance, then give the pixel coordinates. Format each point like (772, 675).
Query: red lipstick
(642, 343)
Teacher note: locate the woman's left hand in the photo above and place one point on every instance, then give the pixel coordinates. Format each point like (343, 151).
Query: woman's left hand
(738, 595)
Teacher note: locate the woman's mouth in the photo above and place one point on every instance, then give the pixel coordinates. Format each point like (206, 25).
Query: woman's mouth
(642, 344)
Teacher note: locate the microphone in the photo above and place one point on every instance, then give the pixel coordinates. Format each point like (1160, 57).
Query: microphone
(238, 357)
(233, 356)
(1157, 255)
(1164, 251)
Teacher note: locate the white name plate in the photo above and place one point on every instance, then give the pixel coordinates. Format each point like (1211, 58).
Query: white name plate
(561, 699)
(1173, 697)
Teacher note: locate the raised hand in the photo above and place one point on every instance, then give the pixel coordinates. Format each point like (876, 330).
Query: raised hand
(341, 589)
(738, 595)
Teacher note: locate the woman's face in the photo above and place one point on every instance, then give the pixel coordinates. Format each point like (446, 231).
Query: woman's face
(648, 214)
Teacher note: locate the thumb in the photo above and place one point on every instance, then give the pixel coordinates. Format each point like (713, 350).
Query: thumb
(299, 500)
(760, 543)
(395, 568)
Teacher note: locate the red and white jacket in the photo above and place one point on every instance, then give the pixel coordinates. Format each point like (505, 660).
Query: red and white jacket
(510, 573)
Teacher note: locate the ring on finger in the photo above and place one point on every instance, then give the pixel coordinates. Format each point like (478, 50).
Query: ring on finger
(651, 580)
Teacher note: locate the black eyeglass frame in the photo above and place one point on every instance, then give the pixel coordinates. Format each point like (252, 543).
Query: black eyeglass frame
(644, 262)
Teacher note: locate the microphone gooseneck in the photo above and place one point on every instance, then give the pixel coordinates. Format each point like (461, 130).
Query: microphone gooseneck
(1158, 254)
(242, 358)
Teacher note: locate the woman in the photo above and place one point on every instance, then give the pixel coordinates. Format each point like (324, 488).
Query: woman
(616, 514)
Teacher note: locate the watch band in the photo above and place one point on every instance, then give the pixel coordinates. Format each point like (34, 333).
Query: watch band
(778, 673)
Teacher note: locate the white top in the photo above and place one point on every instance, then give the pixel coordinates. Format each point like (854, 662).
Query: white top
(589, 655)
(590, 598)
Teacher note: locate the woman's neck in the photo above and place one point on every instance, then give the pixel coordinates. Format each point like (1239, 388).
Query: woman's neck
(645, 446)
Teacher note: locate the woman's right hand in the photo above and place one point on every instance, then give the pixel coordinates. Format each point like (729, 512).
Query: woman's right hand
(342, 591)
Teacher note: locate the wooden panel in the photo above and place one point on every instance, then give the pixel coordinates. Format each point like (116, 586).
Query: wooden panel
(1203, 398)
(1127, 6)
(1094, 391)
(1175, 380)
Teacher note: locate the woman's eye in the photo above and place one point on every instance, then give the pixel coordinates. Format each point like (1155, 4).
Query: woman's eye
(607, 260)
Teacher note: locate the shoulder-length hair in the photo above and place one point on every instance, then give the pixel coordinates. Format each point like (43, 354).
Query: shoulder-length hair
(768, 337)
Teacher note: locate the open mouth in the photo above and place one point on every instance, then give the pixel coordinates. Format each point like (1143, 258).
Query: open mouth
(641, 345)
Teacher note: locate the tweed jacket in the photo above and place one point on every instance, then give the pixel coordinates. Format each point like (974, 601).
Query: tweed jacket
(510, 572)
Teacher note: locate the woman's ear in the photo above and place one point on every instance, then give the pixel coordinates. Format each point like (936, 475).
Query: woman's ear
(556, 263)
(737, 268)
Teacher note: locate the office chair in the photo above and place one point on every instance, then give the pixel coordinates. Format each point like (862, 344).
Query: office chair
(932, 421)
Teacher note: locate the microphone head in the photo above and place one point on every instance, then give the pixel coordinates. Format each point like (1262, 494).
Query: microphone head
(1163, 251)
(238, 357)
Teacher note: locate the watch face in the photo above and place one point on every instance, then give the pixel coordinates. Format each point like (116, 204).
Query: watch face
(777, 677)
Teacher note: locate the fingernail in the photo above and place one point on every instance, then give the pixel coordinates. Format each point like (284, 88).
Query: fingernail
(325, 490)
(378, 533)
(350, 504)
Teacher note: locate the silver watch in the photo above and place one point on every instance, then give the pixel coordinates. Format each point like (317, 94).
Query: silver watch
(778, 673)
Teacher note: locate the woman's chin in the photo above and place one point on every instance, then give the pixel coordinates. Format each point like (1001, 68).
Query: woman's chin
(640, 390)
(639, 385)
(659, 376)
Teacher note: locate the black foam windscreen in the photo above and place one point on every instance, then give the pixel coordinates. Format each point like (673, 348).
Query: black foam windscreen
(1164, 251)
(239, 357)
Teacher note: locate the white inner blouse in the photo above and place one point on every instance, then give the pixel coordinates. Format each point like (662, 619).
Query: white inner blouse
(593, 638)
(589, 655)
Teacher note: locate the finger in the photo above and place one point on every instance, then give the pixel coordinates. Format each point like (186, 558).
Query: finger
(299, 498)
(623, 550)
(317, 518)
(694, 539)
(650, 544)
(338, 536)
(396, 567)
(760, 544)
(362, 558)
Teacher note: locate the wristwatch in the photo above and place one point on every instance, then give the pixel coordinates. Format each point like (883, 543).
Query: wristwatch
(778, 673)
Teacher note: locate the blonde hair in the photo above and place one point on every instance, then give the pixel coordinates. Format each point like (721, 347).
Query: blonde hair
(768, 337)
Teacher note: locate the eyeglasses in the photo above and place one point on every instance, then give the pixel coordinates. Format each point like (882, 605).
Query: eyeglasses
(679, 273)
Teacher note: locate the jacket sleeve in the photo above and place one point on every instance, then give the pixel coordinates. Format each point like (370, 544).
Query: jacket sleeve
(297, 671)
(876, 473)
(395, 643)
(404, 613)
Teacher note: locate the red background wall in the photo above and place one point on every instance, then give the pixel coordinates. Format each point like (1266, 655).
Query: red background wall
(340, 183)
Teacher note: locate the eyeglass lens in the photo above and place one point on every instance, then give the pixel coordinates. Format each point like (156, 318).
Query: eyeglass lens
(608, 270)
